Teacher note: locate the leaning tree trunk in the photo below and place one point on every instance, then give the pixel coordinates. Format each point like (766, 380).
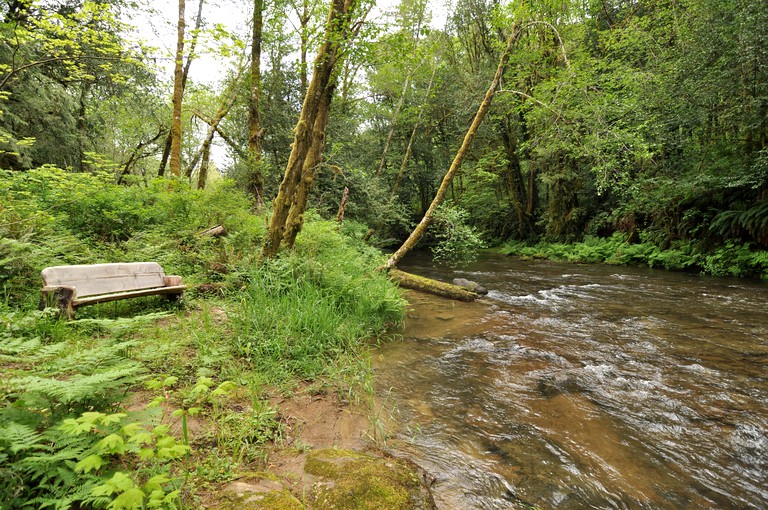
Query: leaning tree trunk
(418, 232)
(409, 148)
(403, 95)
(309, 133)
(213, 124)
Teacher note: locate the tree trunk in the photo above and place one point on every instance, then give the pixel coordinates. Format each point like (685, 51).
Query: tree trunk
(409, 148)
(418, 232)
(136, 155)
(82, 126)
(393, 123)
(202, 176)
(403, 95)
(255, 131)
(342, 205)
(177, 96)
(416, 282)
(212, 125)
(516, 185)
(304, 18)
(288, 207)
(192, 46)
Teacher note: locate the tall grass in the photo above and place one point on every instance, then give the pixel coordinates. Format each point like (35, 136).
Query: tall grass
(304, 316)
(731, 259)
(306, 308)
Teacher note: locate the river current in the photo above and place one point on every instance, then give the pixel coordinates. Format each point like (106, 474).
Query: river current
(583, 386)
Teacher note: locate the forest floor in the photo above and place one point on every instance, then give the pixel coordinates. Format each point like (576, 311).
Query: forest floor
(328, 457)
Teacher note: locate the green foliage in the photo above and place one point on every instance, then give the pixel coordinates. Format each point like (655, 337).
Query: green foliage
(457, 242)
(731, 260)
(66, 438)
(306, 308)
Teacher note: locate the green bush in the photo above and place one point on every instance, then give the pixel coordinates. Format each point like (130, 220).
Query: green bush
(306, 308)
(729, 260)
(457, 241)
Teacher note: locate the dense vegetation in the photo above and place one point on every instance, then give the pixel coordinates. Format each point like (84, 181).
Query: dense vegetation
(623, 131)
(643, 118)
(93, 412)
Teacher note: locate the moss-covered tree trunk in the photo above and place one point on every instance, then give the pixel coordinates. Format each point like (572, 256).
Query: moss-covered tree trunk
(184, 75)
(438, 288)
(418, 232)
(178, 92)
(255, 130)
(288, 206)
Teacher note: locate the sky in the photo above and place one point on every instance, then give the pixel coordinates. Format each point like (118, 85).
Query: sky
(158, 30)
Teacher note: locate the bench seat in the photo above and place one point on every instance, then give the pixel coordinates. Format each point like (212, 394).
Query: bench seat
(70, 287)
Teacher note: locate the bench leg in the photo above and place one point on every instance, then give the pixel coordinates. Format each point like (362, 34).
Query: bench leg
(173, 298)
(60, 298)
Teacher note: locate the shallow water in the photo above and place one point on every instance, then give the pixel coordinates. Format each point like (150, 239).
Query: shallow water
(576, 386)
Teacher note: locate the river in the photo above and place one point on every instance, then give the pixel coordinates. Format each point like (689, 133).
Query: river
(583, 386)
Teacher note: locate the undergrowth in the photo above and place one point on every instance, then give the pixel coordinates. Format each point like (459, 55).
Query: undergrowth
(98, 412)
(731, 259)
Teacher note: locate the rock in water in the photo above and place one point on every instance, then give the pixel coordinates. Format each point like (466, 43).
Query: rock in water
(470, 285)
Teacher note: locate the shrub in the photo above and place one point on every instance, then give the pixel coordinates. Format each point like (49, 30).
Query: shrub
(306, 308)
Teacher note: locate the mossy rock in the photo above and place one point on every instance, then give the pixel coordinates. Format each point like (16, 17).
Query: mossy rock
(257, 491)
(354, 481)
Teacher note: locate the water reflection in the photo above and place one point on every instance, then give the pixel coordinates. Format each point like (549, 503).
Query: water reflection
(585, 387)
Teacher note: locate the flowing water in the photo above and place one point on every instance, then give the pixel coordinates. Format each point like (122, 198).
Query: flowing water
(576, 387)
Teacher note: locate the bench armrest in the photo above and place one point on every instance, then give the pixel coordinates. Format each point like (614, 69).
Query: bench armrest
(60, 296)
(48, 289)
(172, 280)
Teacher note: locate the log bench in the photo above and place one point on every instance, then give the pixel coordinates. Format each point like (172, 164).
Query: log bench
(70, 287)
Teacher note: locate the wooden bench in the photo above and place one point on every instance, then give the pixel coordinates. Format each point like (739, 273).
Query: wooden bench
(70, 287)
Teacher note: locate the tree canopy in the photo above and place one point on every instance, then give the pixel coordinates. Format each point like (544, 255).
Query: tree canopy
(641, 118)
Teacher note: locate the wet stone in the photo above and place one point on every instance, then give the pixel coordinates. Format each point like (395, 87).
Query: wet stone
(470, 285)
(552, 385)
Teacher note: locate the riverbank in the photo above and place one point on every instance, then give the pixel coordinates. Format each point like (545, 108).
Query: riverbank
(258, 375)
(730, 259)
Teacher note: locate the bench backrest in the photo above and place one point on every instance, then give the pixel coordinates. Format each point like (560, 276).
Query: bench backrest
(95, 279)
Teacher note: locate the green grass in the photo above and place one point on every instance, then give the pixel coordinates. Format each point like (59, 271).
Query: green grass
(306, 316)
(731, 259)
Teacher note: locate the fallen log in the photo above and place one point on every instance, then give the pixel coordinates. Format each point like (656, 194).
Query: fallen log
(216, 231)
(423, 284)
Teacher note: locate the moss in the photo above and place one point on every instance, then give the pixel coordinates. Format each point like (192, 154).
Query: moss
(277, 500)
(423, 284)
(361, 482)
(333, 463)
(257, 491)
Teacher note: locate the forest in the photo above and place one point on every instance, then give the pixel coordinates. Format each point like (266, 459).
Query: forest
(644, 120)
(316, 134)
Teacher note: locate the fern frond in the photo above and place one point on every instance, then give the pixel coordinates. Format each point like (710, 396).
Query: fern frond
(92, 360)
(18, 346)
(81, 388)
(19, 437)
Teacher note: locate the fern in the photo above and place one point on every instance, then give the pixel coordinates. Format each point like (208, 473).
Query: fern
(90, 361)
(752, 220)
(48, 475)
(13, 347)
(81, 388)
(17, 437)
